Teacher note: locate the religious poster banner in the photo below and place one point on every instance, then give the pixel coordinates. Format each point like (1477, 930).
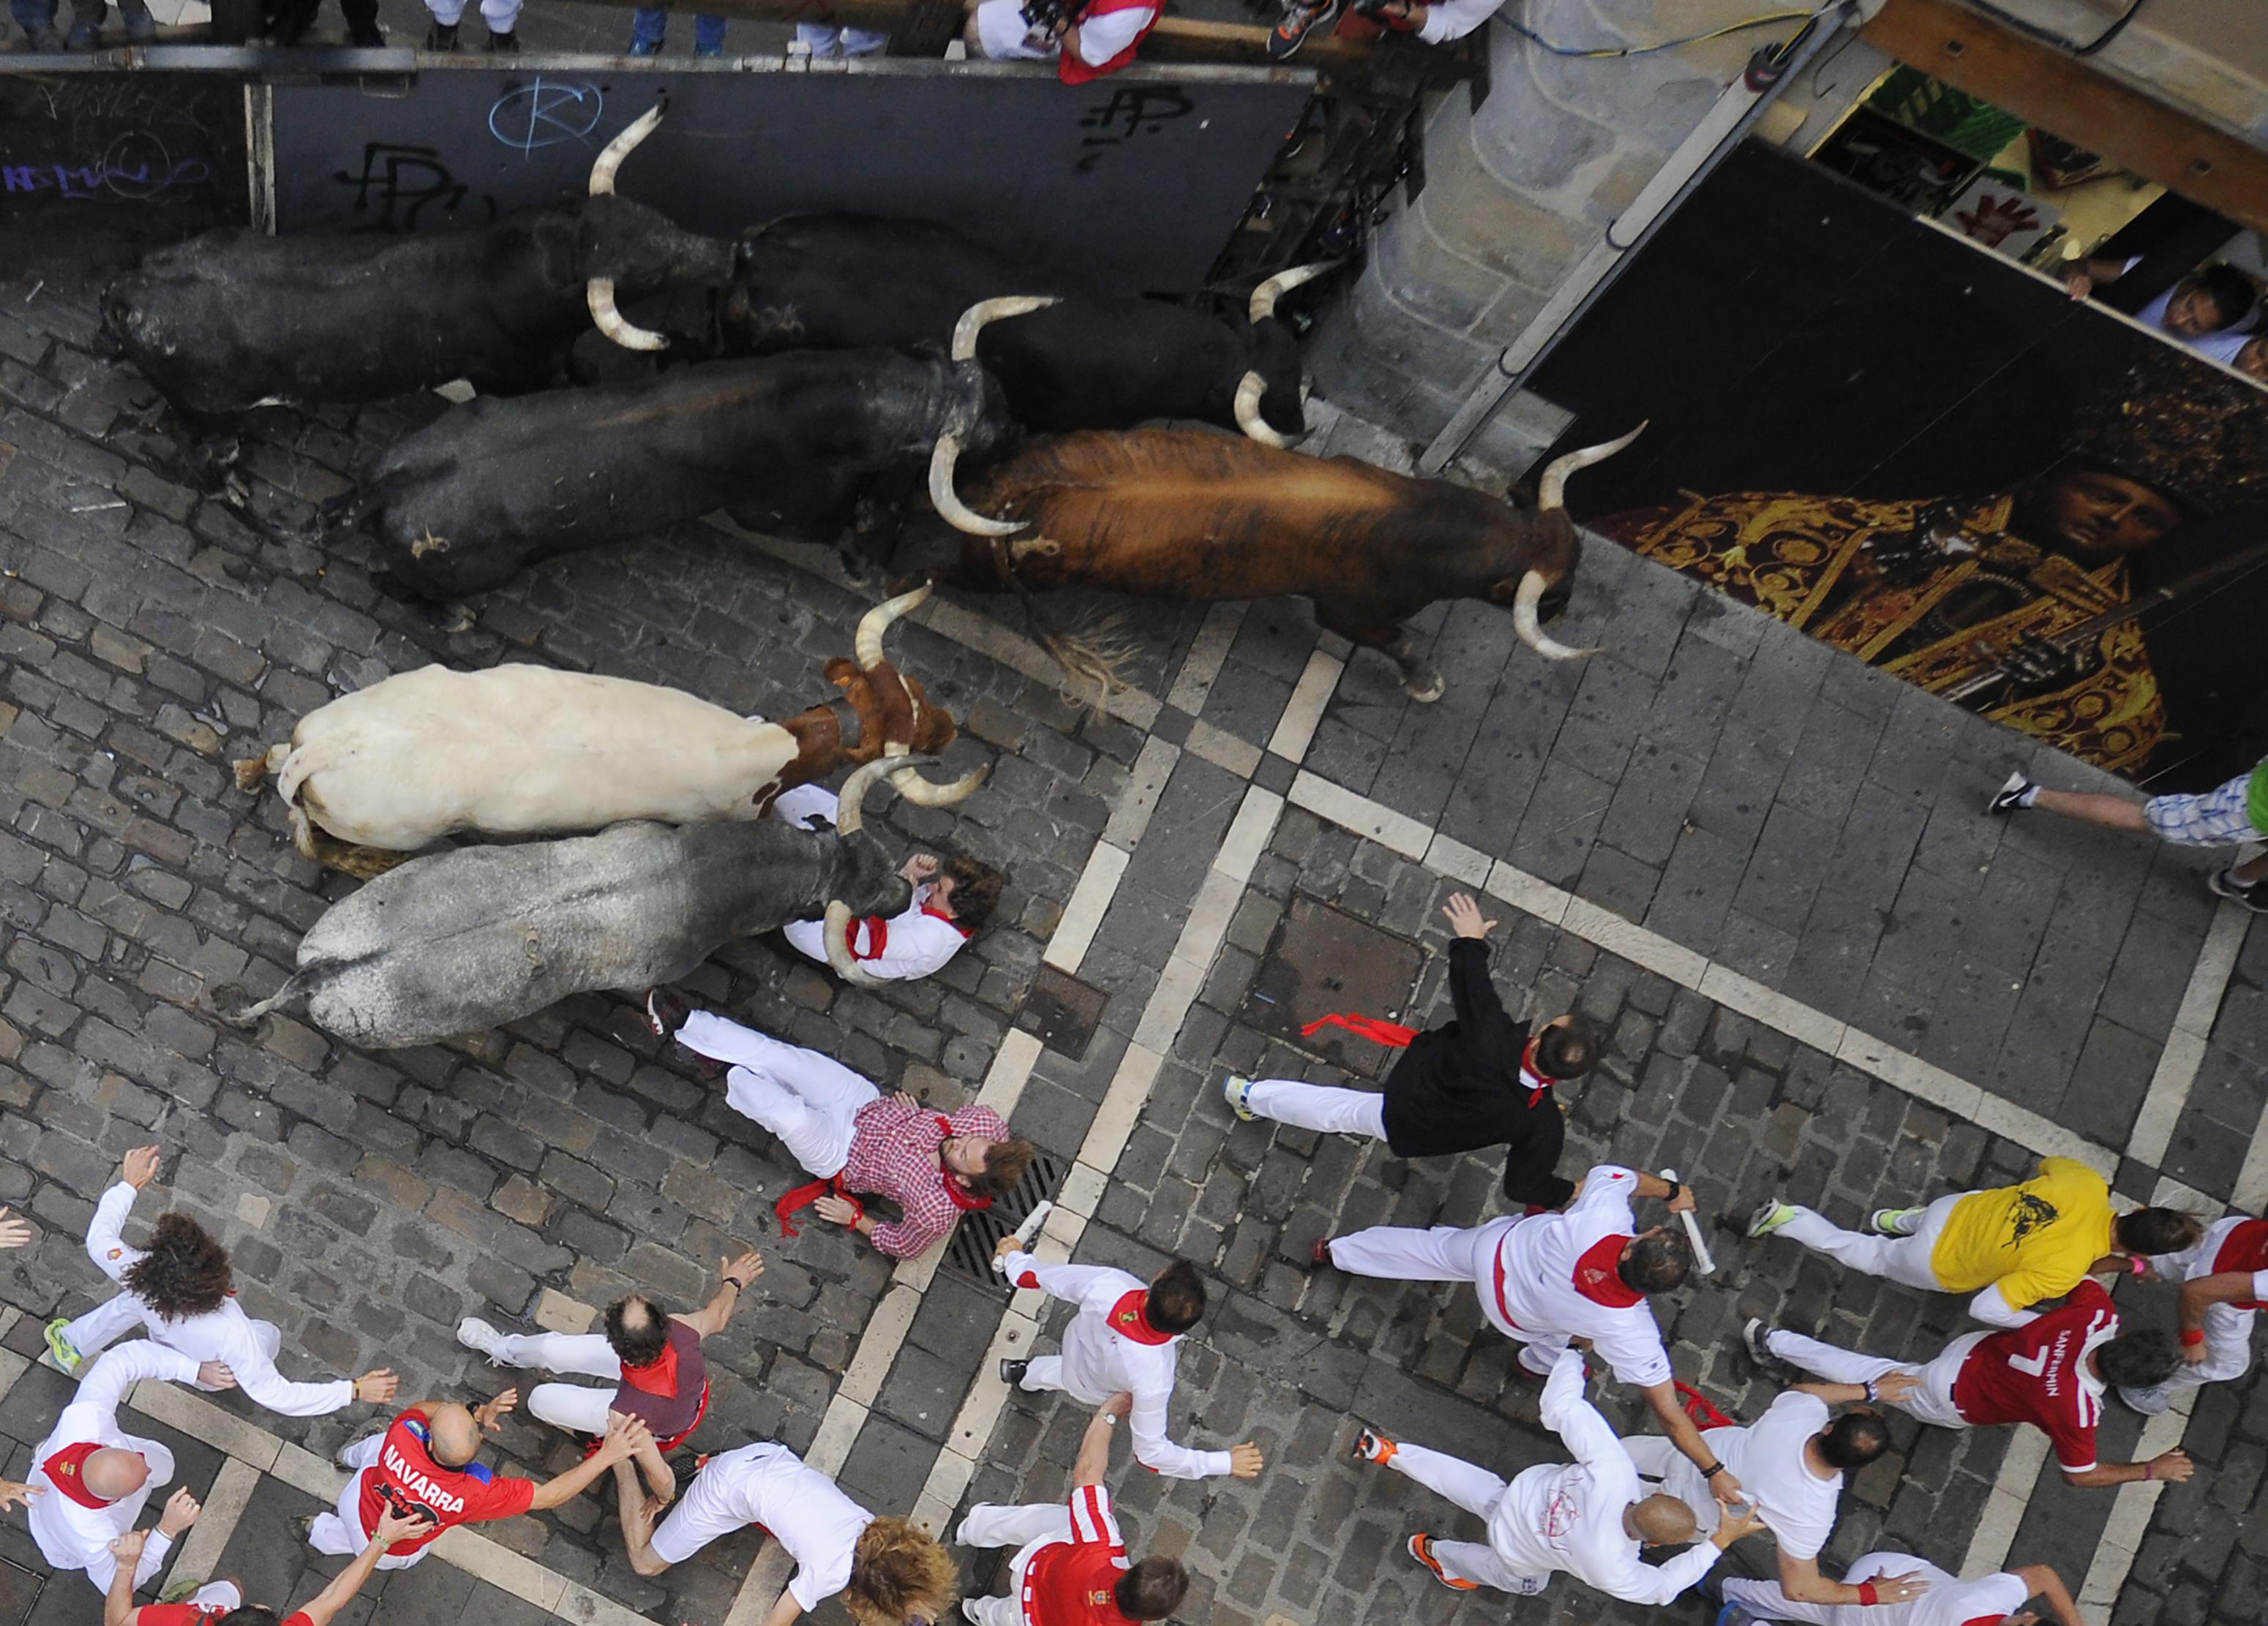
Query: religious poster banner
(1939, 463)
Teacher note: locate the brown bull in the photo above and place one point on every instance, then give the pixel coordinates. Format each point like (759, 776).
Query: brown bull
(1185, 514)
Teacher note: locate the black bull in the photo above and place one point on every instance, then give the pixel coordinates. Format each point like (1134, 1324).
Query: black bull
(782, 444)
(1095, 360)
(463, 941)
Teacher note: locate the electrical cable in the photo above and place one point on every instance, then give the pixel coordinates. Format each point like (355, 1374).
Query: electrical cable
(2059, 41)
(1599, 53)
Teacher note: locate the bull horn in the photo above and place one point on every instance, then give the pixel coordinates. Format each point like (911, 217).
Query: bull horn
(837, 937)
(1551, 490)
(849, 817)
(947, 502)
(1531, 630)
(928, 792)
(600, 290)
(972, 319)
(876, 620)
(602, 172)
(849, 814)
(1249, 389)
(1264, 297)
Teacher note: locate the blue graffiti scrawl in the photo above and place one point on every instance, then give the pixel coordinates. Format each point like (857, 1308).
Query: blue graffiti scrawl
(136, 167)
(546, 113)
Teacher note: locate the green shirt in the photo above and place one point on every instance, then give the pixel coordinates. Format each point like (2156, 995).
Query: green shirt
(2255, 798)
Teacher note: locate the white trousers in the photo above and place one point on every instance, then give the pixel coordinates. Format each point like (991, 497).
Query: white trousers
(340, 1532)
(1319, 1107)
(1477, 1491)
(825, 40)
(1447, 1254)
(1902, 1259)
(811, 1102)
(121, 1314)
(1932, 1403)
(1028, 1529)
(499, 15)
(2227, 1355)
(576, 1407)
(1766, 1601)
(1658, 1458)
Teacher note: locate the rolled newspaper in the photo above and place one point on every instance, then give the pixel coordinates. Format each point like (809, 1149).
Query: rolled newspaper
(1701, 1255)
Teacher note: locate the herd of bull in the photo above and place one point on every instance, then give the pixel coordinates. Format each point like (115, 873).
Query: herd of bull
(857, 367)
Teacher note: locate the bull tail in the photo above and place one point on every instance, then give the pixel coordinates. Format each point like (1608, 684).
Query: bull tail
(226, 1002)
(1093, 649)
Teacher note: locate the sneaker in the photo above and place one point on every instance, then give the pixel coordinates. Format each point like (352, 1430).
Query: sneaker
(2148, 1402)
(969, 1612)
(2224, 884)
(644, 48)
(302, 1527)
(482, 1339)
(1733, 1614)
(1300, 18)
(1894, 1221)
(506, 44)
(1238, 1093)
(365, 37)
(180, 1592)
(665, 1011)
(1373, 1447)
(1320, 1253)
(1771, 1215)
(1012, 1372)
(1756, 1337)
(441, 37)
(2010, 797)
(65, 1352)
(1421, 1546)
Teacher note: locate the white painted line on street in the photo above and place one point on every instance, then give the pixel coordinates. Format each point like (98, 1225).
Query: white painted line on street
(1303, 713)
(1083, 910)
(1373, 820)
(2004, 1508)
(2176, 1072)
(2130, 1514)
(197, 1559)
(1145, 782)
(1201, 667)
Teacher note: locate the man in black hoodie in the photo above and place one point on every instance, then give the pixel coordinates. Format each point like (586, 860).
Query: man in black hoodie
(1481, 1079)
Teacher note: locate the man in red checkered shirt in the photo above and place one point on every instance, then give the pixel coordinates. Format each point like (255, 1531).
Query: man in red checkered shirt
(2049, 1373)
(221, 1603)
(843, 1129)
(1071, 1567)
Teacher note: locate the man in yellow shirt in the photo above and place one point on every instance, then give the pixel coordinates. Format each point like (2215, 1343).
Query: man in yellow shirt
(2012, 1248)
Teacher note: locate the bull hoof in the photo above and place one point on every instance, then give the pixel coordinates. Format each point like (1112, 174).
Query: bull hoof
(1423, 685)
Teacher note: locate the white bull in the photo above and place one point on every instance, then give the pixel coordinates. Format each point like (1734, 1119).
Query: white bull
(525, 750)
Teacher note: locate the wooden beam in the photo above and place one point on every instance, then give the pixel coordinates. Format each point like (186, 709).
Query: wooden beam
(2072, 99)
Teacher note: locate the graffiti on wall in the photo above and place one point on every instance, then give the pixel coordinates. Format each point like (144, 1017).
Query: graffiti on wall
(141, 145)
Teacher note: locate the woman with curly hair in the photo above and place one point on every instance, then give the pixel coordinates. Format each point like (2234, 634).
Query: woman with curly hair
(179, 1288)
(843, 1129)
(887, 1572)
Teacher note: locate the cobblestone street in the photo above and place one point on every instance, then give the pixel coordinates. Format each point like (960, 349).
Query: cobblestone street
(1761, 870)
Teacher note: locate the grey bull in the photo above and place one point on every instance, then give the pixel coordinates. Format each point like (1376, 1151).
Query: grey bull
(460, 942)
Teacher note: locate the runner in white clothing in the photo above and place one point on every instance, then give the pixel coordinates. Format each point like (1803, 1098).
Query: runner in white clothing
(1790, 1463)
(838, 1546)
(178, 1289)
(1126, 1336)
(2224, 1283)
(1996, 1600)
(1546, 1279)
(94, 1477)
(953, 898)
(1591, 1518)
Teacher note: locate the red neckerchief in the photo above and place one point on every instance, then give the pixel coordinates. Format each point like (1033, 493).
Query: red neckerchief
(804, 1197)
(1378, 1032)
(1533, 1077)
(963, 1199)
(64, 1472)
(935, 913)
(1700, 1407)
(1597, 1278)
(656, 1377)
(1128, 1317)
(878, 929)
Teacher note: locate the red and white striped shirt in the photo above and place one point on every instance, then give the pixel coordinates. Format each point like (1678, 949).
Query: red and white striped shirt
(1070, 1582)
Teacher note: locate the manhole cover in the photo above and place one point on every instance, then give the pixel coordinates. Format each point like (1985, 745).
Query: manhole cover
(19, 1590)
(1324, 960)
(981, 1229)
(1061, 1011)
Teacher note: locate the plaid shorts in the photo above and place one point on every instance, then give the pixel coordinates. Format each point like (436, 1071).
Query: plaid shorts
(2219, 818)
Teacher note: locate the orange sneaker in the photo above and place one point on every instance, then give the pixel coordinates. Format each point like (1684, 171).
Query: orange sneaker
(1373, 1447)
(1421, 1549)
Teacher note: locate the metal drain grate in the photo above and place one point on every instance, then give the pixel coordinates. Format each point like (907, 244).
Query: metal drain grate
(981, 1229)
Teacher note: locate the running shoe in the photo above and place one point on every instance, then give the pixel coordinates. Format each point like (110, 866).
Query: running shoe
(1421, 1549)
(2010, 797)
(1894, 1221)
(1770, 1216)
(1300, 18)
(64, 1350)
(1373, 1447)
(1238, 1093)
(2252, 895)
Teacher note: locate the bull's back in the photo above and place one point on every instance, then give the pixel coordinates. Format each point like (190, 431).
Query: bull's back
(518, 750)
(1183, 513)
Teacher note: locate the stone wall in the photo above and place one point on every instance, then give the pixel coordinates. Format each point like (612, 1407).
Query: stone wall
(1517, 190)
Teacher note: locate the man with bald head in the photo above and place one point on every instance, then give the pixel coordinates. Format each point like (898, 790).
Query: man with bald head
(427, 1459)
(92, 1478)
(1591, 1518)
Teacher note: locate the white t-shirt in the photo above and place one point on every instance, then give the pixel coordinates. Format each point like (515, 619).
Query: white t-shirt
(1949, 1601)
(895, 948)
(804, 1511)
(72, 1536)
(1767, 1458)
(1571, 1517)
(2221, 346)
(1454, 19)
(1556, 1273)
(1007, 37)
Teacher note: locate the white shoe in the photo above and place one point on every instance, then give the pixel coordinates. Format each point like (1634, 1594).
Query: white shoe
(482, 1339)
